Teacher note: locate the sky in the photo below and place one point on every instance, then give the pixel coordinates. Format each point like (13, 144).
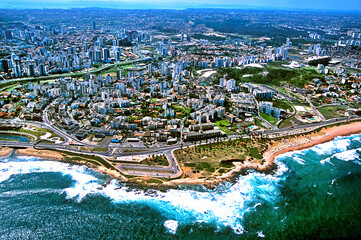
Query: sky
(353, 5)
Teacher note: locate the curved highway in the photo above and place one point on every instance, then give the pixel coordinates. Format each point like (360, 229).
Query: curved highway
(174, 169)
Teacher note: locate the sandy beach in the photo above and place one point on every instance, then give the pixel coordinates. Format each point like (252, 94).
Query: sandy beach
(46, 154)
(310, 140)
(5, 151)
(58, 156)
(277, 147)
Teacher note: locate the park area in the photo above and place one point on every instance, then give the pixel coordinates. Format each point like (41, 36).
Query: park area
(212, 160)
(333, 111)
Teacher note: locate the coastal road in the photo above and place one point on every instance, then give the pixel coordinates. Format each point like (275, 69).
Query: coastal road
(67, 137)
(173, 170)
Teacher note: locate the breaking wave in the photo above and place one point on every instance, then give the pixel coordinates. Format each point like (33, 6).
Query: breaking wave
(224, 206)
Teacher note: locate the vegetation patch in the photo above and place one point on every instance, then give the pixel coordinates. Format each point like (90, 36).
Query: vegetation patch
(272, 120)
(156, 160)
(223, 125)
(271, 75)
(333, 111)
(206, 160)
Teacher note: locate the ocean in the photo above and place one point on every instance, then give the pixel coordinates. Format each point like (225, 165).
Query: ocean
(313, 193)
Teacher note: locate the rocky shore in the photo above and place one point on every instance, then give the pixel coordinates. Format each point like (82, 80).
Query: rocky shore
(275, 148)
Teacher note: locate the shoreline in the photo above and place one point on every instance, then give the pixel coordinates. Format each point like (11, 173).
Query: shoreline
(275, 148)
(325, 135)
(59, 156)
(5, 152)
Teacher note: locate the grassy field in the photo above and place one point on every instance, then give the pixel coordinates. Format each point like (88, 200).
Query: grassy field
(288, 122)
(156, 160)
(69, 157)
(113, 71)
(283, 104)
(184, 110)
(222, 124)
(211, 160)
(11, 87)
(272, 120)
(95, 149)
(38, 132)
(332, 111)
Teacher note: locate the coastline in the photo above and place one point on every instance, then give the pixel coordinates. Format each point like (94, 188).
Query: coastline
(44, 154)
(278, 147)
(5, 152)
(275, 148)
(325, 135)
(59, 156)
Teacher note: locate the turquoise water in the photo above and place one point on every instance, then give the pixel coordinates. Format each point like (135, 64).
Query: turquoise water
(14, 138)
(314, 193)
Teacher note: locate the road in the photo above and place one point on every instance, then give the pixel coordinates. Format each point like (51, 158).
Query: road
(173, 170)
(74, 74)
(67, 137)
(315, 110)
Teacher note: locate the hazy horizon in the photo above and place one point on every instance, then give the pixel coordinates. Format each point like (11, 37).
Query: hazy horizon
(331, 5)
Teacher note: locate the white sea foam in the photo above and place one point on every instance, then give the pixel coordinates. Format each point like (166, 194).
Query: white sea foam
(299, 160)
(260, 234)
(224, 207)
(326, 160)
(171, 225)
(8, 169)
(79, 174)
(348, 155)
(337, 145)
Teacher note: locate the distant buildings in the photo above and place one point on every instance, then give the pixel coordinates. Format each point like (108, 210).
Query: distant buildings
(259, 91)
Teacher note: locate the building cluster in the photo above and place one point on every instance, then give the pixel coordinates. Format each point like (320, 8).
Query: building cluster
(40, 51)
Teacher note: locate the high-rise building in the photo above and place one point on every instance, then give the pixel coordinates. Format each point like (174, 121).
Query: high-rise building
(42, 70)
(181, 37)
(94, 25)
(288, 42)
(85, 49)
(119, 74)
(98, 55)
(117, 53)
(100, 42)
(8, 34)
(31, 69)
(222, 82)
(62, 30)
(106, 54)
(5, 65)
(17, 70)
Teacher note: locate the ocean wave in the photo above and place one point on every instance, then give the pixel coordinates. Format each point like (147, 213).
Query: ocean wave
(171, 225)
(337, 145)
(350, 155)
(80, 174)
(299, 160)
(223, 207)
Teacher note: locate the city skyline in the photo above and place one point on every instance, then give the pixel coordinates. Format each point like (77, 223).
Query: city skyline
(333, 5)
(180, 120)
